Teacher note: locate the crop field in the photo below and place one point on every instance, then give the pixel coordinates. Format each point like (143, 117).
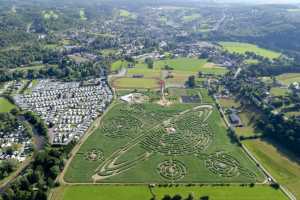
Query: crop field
(285, 169)
(276, 91)
(139, 83)
(97, 192)
(149, 143)
(5, 105)
(288, 78)
(242, 48)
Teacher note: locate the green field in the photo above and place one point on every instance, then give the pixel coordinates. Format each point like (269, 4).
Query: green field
(149, 143)
(126, 14)
(276, 91)
(138, 83)
(96, 192)
(118, 65)
(192, 17)
(284, 169)
(288, 78)
(242, 48)
(192, 65)
(5, 105)
(185, 65)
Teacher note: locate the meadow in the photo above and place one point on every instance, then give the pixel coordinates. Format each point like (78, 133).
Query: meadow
(97, 192)
(282, 165)
(242, 48)
(139, 83)
(5, 105)
(182, 68)
(288, 78)
(149, 143)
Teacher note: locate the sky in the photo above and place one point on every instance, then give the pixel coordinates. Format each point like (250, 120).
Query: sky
(260, 1)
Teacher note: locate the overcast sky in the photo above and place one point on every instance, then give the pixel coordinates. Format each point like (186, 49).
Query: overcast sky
(260, 1)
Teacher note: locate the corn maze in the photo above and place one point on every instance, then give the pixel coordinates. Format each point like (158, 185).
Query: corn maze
(121, 126)
(94, 155)
(172, 170)
(149, 144)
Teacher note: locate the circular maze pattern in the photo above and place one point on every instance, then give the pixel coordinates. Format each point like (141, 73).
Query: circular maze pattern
(225, 165)
(94, 155)
(178, 142)
(222, 164)
(172, 170)
(121, 126)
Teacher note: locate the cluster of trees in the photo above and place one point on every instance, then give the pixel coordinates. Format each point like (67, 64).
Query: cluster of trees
(179, 197)
(149, 62)
(273, 124)
(36, 122)
(67, 70)
(39, 177)
(27, 54)
(285, 131)
(8, 122)
(6, 167)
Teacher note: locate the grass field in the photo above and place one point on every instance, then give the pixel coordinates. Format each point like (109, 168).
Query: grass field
(276, 91)
(141, 133)
(118, 65)
(241, 48)
(248, 120)
(138, 83)
(5, 105)
(94, 192)
(286, 171)
(189, 65)
(182, 69)
(288, 78)
(192, 17)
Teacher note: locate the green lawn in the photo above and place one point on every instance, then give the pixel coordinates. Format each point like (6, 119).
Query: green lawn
(118, 65)
(138, 132)
(97, 192)
(192, 17)
(288, 78)
(276, 91)
(241, 48)
(126, 14)
(5, 105)
(286, 171)
(181, 64)
(139, 83)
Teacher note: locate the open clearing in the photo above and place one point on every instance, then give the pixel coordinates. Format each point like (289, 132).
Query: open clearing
(97, 192)
(242, 48)
(141, 83)
(5, 105)
(288, 78)
(286, 171)
(149, 143)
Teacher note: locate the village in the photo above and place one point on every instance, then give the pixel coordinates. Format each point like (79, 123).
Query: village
(16, 144)
(68, 108)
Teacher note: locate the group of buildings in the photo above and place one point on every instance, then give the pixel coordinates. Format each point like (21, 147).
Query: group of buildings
(68, 108)
(15, 145)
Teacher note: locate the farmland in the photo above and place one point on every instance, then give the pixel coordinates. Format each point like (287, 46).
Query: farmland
(142, 83)
(174, 144)
(180, 69)
(5, 105)
(98, 192)
(288, 78)
(283, 166)
(242, 48)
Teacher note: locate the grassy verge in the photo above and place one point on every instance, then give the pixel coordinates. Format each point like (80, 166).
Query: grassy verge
(284, 169)
(97, 192)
